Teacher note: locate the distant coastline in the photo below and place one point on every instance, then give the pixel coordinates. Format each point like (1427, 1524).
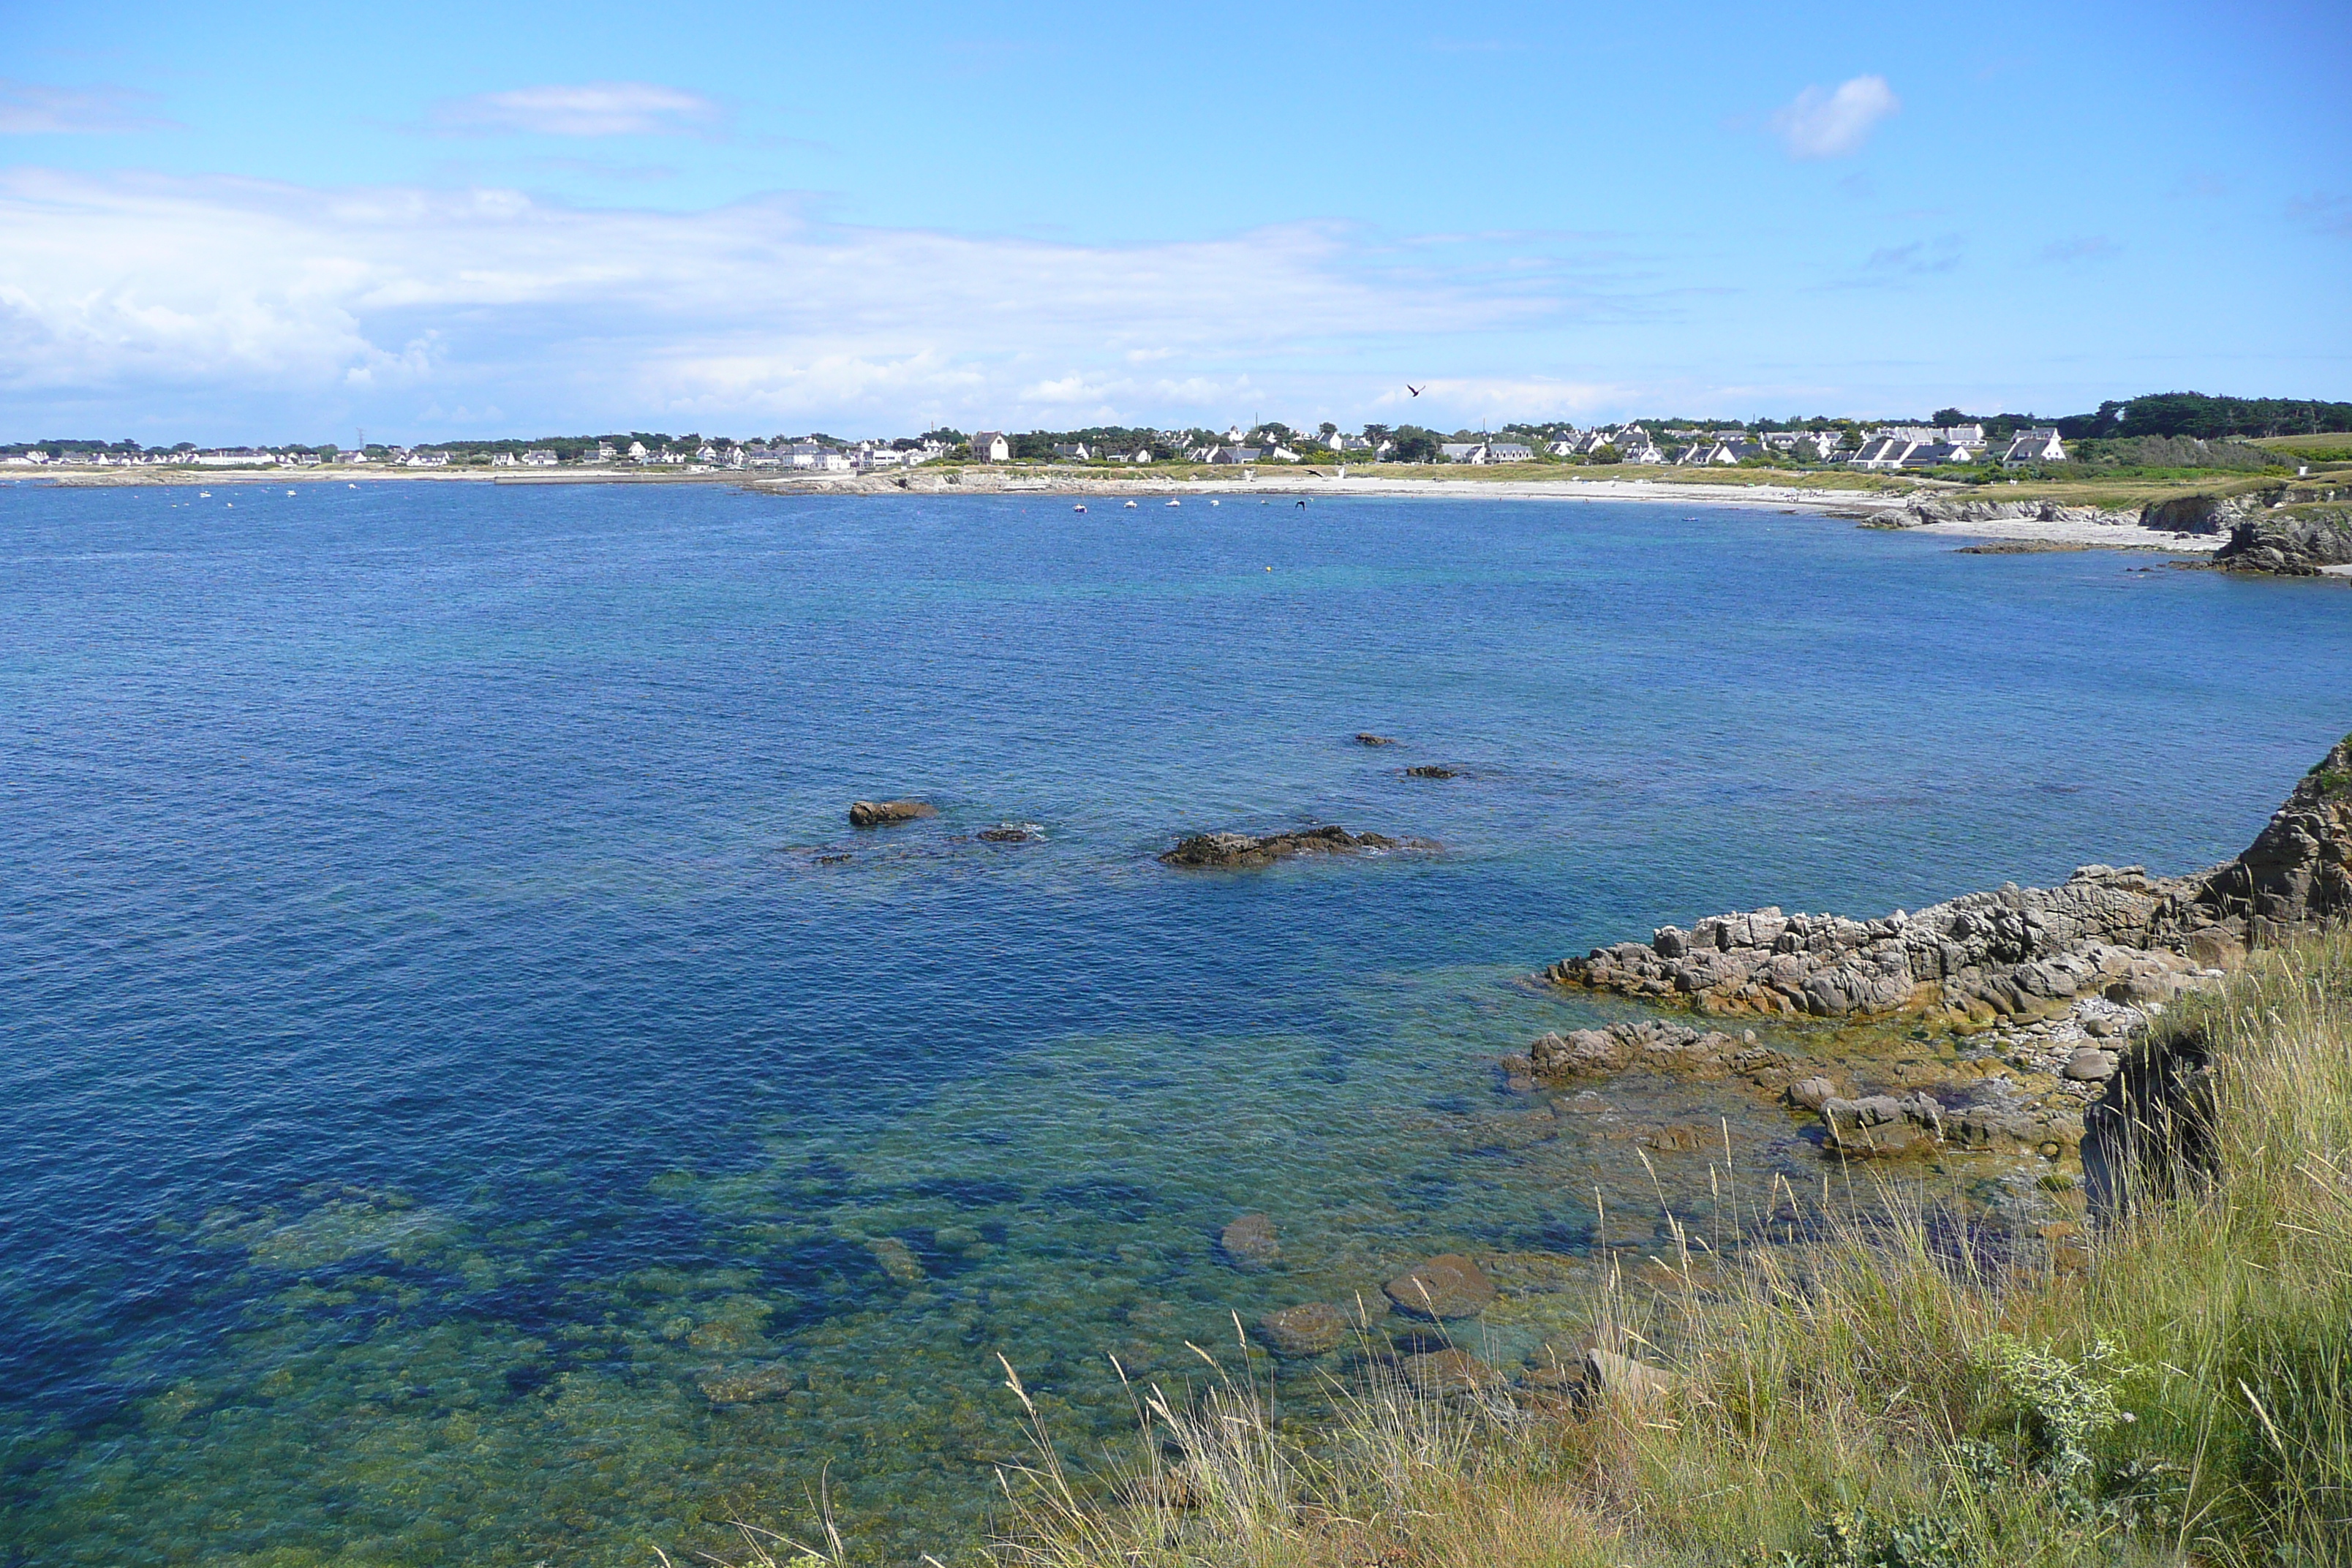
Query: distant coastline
(1906, 504)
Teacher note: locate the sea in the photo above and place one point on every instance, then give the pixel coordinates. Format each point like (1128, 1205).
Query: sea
(468, 1095)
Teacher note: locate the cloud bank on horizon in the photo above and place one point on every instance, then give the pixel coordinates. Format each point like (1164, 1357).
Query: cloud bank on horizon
(1017, 225)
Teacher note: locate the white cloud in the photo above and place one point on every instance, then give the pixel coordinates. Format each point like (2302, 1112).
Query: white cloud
(1831, 125)
(30, 109)
(115, 290)
(586, 108)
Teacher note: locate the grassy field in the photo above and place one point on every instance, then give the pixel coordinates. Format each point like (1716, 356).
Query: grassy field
(2173, 1390)
(2323, 448)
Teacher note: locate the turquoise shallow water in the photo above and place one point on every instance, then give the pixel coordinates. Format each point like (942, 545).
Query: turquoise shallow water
(436, 1044)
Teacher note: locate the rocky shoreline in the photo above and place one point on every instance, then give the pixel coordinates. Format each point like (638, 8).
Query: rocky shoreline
(2046, 984)
(2295, 529)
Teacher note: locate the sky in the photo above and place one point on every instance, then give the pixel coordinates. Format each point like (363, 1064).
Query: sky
(283, 223)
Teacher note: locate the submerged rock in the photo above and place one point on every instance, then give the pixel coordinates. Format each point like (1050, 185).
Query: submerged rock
(1249, 1242)
(1447, 1286)
(1366, 737)
(882, 812)
(1431, 771)
(1310, 1328)
(1234, 850)
(1658, 1044)
(896, 1259)
(1447, 1372)
(1009, 833)
(743, 1386)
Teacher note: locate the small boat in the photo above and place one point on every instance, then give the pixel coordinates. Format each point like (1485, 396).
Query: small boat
(1080, 507)
(1130, 506)
(1212, 502)
(1173, 501)
(290, 492)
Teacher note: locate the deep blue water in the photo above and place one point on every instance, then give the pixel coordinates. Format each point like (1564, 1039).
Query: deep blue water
(431, 1039)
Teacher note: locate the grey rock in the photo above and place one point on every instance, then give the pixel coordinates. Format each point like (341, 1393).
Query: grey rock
(2091, 1065)
(1626, 1381)
(1812, 1093)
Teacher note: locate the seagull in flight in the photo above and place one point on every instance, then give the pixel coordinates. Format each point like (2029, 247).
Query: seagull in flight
(1414, 390)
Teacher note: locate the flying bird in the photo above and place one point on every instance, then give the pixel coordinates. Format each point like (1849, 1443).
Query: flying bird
(1414, 390)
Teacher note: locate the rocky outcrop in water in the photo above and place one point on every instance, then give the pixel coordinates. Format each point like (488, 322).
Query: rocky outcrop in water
(2293, 541)
(1237, 850)
(882, 812)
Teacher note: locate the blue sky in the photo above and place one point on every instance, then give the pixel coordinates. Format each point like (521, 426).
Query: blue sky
(287, 223)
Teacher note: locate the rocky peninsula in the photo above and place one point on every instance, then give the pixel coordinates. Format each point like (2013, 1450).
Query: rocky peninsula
(2048, 983)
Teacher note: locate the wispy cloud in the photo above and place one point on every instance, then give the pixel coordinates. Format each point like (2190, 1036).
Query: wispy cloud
(584, 109)
(2325, 213)
(1918, 258)
(1818, 124)
(2083, 248)
(32, 109)
(751, 310)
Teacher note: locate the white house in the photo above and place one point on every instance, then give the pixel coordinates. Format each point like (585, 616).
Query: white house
(637, 453)
(539, 457)
(1073, 451)
(2038, 445)
(990, 447)
(502, 459)
(1509, 452)
(425, 460)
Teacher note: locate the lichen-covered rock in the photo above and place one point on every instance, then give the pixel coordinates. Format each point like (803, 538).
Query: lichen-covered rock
(1883, 1125)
